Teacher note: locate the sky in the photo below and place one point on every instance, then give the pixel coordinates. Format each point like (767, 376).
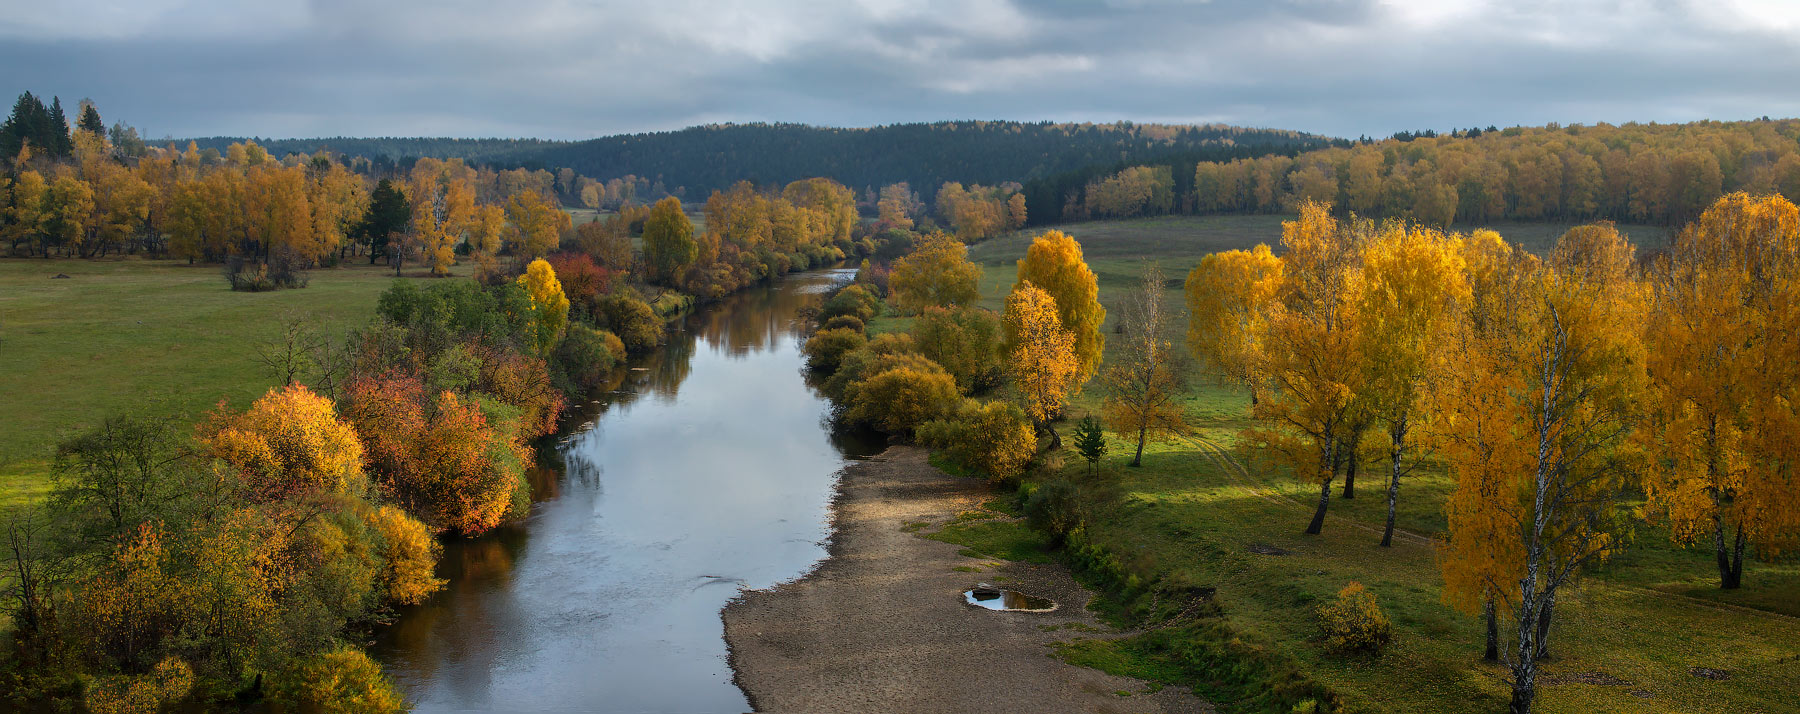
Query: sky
(576, 69)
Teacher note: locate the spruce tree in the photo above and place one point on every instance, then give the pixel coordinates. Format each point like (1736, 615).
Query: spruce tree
(56, 139)
(20, 126)
(1090, 442)
(90, 119)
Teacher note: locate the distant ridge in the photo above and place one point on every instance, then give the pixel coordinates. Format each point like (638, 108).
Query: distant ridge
(709, 157)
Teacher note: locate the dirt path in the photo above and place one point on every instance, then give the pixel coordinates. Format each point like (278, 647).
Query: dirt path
(882, 626)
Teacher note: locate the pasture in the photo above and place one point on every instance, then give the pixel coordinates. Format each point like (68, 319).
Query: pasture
(158, 337)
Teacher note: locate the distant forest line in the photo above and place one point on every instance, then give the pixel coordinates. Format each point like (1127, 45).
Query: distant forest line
(1640, 173)
(696, 161)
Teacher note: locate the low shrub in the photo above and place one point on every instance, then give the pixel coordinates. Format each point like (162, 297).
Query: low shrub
(898, 400)
(342, 680)
(825, 350)
(994, 439)
(848, 322)
(585, 356)
(854, 300)
(1355, 622)
(1054, 507)
(632, 320)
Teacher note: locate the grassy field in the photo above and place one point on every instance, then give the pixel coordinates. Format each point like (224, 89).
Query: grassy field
(1191, 515)
(157, 336)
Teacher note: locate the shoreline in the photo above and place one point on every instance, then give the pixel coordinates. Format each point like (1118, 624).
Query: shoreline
(880, 624)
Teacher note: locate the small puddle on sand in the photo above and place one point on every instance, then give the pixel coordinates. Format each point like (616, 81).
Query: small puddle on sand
(996, 599)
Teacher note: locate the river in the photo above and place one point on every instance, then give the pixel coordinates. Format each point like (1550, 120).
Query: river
(708, 469)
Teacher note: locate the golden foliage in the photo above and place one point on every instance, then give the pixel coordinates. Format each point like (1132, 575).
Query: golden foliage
(342, 681)
(410, 555)
(537, 224)
(898, 399)
(936, 274)
(1354, 622)
(1726, 300)
(290, 442)
(994, 438)
(549, 306)
(1043, 363)
(1229, 295)
(1054, 264)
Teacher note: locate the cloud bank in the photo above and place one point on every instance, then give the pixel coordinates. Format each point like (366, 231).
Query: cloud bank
(576, 69)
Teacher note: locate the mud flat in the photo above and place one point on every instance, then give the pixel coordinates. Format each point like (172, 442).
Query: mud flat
(882, 625)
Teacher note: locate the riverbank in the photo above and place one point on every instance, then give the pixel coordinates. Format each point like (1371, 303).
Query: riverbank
(881, 625)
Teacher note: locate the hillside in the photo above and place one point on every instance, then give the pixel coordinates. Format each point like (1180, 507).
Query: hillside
(705, 158)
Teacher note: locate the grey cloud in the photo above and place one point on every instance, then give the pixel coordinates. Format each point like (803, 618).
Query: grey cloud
(571, 69)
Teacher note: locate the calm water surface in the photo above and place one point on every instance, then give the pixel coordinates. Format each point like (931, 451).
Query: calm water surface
(707, 470)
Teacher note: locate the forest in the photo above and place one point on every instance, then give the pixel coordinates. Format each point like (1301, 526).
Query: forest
(1662, 174)
(711, 158)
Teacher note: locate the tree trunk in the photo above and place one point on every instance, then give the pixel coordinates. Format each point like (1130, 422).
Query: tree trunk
(1493, 632)
(1318, 519)
(1350, 473)
(1524, 669)
(1396, 452)
(1138, 459)
(1387, 534)
(1735, 578)
(1729, 578)
(1543, 626)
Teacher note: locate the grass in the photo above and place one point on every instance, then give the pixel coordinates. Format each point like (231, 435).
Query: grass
(1187, 519)
(162, 337)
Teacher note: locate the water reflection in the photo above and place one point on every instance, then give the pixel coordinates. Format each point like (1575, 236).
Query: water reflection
(656, 512)
(997, 599)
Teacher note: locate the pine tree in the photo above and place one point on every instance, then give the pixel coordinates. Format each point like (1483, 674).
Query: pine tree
(1090, 442)
(20, 126)
(90, 119)
(56, 135)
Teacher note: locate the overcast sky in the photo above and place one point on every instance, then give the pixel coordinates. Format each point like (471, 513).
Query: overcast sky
(572, 69)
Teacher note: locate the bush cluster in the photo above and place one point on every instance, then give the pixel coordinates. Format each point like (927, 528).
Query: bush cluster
(1355, 622)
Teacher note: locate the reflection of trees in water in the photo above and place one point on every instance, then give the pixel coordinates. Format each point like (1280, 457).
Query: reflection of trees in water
(668, 367)
(456, 619)
(581, 469)
(757, 319)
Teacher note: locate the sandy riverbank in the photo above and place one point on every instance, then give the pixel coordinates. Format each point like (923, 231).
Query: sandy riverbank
(882, 626)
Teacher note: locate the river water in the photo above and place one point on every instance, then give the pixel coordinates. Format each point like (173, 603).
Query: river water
(708, 468)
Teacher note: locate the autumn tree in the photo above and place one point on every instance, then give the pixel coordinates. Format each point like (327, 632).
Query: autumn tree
(1564, 369)
(537, 224)
(965, 341)
(1310, 345)
(1042, 359)
(549, 306)
(668, 240)
(937, 273)
(1723, 346)
(1054, 264)
(439, 456)
(1145, 384)
(896, 206)
(1230, 295)
(289, 443)
(1411, 286)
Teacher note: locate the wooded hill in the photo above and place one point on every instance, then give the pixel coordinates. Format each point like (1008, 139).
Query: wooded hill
(712, 157)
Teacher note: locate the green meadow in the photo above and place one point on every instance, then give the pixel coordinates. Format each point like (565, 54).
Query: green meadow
(150, 336)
